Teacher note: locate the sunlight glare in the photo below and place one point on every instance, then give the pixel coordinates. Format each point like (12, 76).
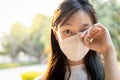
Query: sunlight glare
(23, 11)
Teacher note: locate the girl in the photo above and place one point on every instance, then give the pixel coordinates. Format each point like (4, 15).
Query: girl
(77, 43)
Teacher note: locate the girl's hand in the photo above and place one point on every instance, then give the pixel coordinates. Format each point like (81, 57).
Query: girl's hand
(97, 38)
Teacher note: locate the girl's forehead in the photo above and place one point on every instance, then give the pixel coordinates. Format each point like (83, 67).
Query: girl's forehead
(79, 17)
(80, 14)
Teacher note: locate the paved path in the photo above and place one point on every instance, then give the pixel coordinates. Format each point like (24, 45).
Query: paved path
(15, 73)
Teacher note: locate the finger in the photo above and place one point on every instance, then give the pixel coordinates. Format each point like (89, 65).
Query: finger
(87, 41)
(101, 30)
(99, 34)
(99, 25)
(93, 31)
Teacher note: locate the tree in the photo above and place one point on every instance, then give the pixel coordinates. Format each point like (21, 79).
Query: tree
(37, 41)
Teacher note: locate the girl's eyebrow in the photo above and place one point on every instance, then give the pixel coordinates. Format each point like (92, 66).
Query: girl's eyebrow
(68, 23)
(86, 24)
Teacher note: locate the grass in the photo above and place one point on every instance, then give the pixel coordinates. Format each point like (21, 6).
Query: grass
(13, 65)
(3, 66)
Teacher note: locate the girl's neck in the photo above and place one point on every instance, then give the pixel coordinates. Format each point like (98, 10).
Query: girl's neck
(74, 63)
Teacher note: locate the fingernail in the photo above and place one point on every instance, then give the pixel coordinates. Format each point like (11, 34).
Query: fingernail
(98, 28)
(91, 40)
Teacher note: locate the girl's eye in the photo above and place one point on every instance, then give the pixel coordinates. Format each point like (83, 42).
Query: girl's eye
(68, 31)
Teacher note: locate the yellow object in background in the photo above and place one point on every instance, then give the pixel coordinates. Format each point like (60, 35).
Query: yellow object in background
(30, 75)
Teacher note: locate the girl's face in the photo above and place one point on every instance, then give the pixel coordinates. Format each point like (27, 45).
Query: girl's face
(78, 22)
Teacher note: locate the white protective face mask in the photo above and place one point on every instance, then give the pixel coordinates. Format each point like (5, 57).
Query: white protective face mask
(73, 48)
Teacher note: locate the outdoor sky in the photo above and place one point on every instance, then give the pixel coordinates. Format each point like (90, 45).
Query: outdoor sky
(23, 11)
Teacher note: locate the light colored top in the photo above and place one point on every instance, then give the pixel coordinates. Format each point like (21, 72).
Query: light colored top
(78, 72)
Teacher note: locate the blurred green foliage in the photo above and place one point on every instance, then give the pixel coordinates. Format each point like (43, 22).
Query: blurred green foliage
(14, 65)
(2, 66)
(108, 13)
(33, 41)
